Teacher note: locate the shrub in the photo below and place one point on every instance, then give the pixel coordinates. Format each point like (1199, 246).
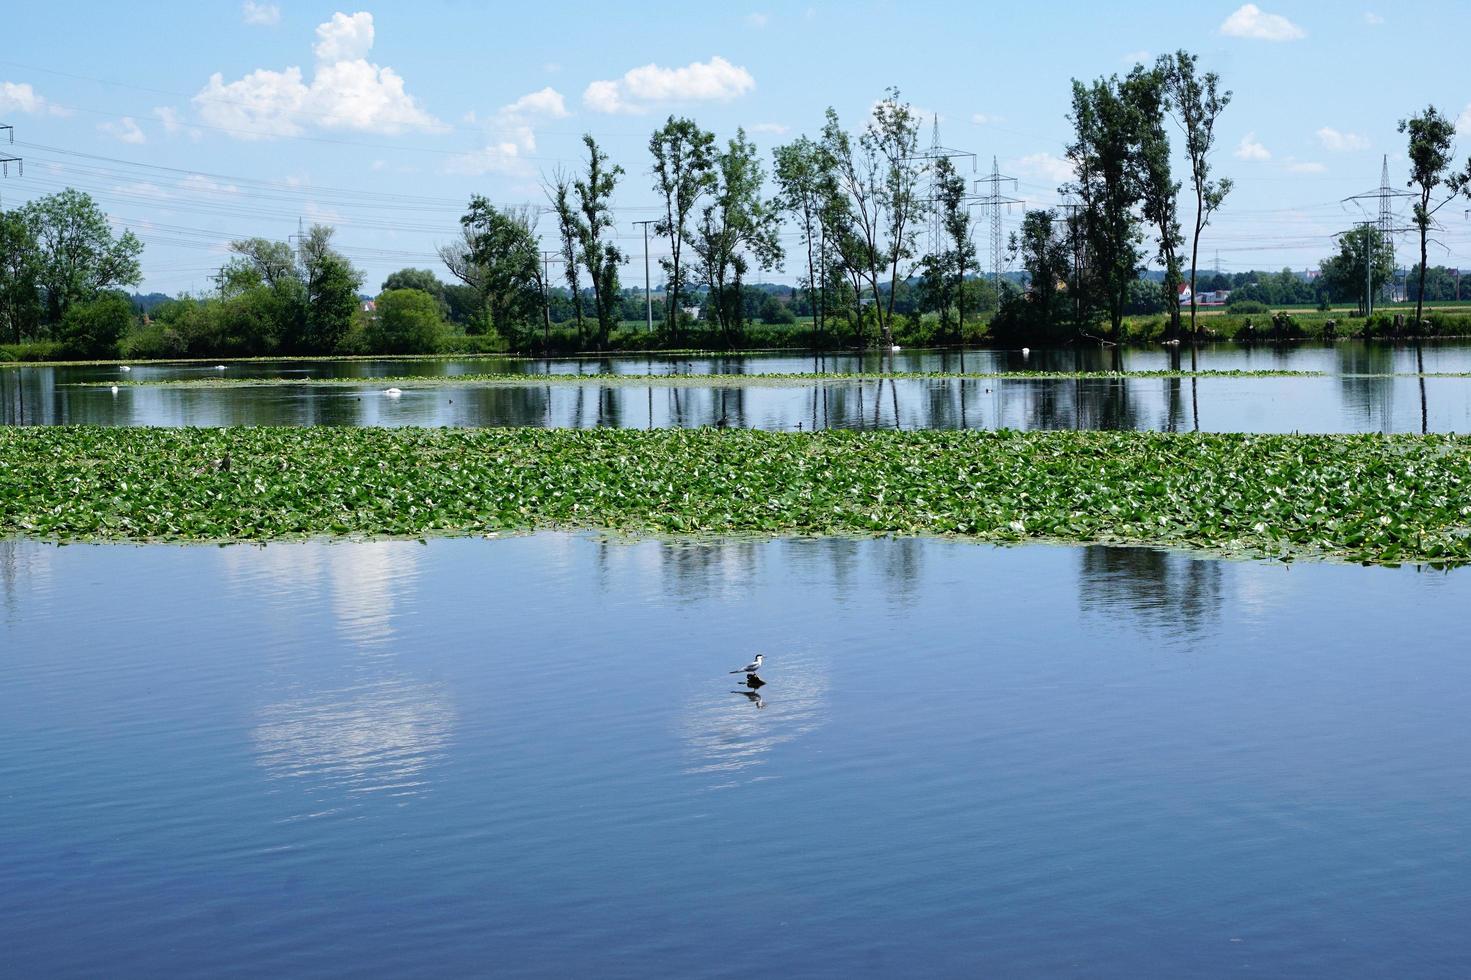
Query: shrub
(93, 329)
(407, 322)
(1246, 306)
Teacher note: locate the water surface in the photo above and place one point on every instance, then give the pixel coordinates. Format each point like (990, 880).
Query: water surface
(525, 757)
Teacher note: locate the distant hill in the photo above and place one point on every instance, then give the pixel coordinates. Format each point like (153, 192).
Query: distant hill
(148, 302)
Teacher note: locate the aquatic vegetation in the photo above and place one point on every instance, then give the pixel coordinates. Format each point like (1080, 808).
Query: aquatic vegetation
(694, 380)
(1365, 498)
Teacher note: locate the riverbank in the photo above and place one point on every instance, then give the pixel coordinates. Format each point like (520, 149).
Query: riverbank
(1363, 498)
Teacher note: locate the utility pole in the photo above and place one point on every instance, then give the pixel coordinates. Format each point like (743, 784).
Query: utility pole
(298, 238)
(993, 200)
(648, 296)
(1385, 196)
(547, 258)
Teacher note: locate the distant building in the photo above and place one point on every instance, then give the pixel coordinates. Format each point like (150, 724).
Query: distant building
(1217, 297)
(370, 306)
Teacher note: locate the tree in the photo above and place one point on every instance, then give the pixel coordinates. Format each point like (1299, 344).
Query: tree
(78, 255)
(271, 261)
(684, 171)
(1159, 191)
(734, 228)
(332, 286)
(20, 276)
(1196, 102)
(406, 321)
(1432, 149)
(1104, 156)
(880, 180)
(805, 184)
(421, 279)
(601, 258)
(944, 271)
(503, 249)
(1365, 258)
(569, 236)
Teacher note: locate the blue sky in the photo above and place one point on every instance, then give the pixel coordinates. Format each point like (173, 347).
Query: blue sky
(196, 123)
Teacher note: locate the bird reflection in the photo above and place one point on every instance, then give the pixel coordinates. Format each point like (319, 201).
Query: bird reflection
(754, 685)
(753, 696)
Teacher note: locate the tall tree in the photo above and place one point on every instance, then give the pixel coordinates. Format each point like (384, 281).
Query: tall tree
(77, 253)
(1364, 263)
(684, 172)
(332, 286)
(1104, 155)
(271, 261)
(805, 184)
(1432, 151)
(1043, 250)
(569, 238)
(1159, 191)
(736, 228)
(1197, 102)
(945, 270)
(503, 248)
(20, 276)
(600, 257)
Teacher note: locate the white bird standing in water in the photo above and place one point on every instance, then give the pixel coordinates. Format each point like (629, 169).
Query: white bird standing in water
(753, 666)
(393, 393)
(125, 368)
(219, 367)
(114, 389)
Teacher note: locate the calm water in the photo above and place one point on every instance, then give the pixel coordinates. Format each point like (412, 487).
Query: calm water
(1342, 402)
(525, 757)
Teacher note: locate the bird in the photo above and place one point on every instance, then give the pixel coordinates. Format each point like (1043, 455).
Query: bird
(125, 368)
(114, 389)
(219, 367)
(1026, 351)
(896, 347)
(393, 393)
(753, 666)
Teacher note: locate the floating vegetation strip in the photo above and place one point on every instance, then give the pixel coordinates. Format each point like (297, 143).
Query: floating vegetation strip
(690, 380)
(1364, 498)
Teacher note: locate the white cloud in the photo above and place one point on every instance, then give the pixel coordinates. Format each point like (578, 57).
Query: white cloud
(20, 97)
(1305, 167)
(775, 129)
(125, 130)
(513, 135)
(1251, 21)
(169, 117)
(1250, 149)
(984, 119)
(1045, 166)
(260, 14)
(346, 91)
(1336, 142)
(1372, 19)
(757, 20)
(716, 80)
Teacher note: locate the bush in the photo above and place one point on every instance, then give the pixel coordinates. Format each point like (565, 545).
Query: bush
(35, 350)
(1246, 306)
(94, 329)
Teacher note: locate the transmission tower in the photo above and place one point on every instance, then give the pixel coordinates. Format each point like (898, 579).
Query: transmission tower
(993, 200)
(1388, 223)
(936, 151)
(8, 132)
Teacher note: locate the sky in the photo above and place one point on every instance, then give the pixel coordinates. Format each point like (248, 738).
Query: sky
(195, 123)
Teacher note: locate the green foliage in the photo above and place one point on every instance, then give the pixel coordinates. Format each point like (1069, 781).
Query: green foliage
(1432, 142)
(1363, 253)
(21, 308)
(684, 172)
(93, 328)
(406, 321)
(1367, 498)
(601, 257)
(1242, 307)
(503, 249)
(77, 256)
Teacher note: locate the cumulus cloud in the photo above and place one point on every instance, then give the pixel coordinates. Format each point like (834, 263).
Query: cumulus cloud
(513, 135)
(1045, 166)
(640, 89)
(1250, 149)
(1251, 21)
(20, 97)
(260, 14)
(346, 91)
(125, 130)
(1336, 142)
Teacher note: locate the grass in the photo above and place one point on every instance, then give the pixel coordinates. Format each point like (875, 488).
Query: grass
(1363, 498)
(687, 380)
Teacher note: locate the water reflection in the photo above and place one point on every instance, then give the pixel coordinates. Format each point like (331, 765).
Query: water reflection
(726, 739)
(380, 737)
(1174, 592)
(1342, 403)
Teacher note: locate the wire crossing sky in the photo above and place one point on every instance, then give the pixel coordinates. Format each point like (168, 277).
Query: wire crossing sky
(203, 123)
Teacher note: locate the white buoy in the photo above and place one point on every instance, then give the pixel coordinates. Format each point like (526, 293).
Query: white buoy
(125, 368)
(114, 389)
(393, 393)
